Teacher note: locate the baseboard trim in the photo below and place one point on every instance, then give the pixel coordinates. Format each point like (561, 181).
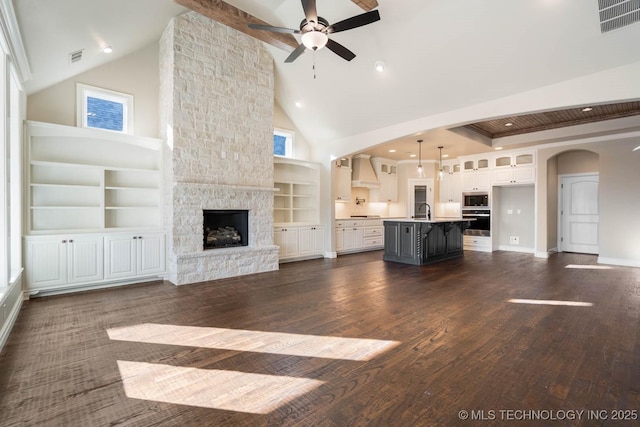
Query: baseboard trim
(542, 254)
(331, 254)
(619, 261)
(516, 249)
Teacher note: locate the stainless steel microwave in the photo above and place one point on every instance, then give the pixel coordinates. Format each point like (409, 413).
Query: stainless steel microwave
(472, 200)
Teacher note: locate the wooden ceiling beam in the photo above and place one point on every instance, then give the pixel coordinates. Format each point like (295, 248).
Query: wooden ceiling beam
(239, 20)
(366, 4)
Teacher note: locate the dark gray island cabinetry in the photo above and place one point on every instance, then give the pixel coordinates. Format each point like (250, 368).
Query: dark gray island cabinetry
(421, 242)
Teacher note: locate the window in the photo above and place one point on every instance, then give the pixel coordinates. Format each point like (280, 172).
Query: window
(282, 143)
(104, 109)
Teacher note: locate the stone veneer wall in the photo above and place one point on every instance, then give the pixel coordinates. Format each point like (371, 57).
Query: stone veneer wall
(216, 96)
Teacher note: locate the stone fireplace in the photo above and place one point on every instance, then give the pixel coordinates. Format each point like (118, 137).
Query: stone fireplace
(216, 97)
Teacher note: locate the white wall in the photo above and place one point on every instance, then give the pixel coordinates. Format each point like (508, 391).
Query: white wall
(301, 149)
(135, 74)
(514, 215)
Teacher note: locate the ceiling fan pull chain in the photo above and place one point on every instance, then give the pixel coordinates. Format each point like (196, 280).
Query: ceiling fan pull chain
(314, 64)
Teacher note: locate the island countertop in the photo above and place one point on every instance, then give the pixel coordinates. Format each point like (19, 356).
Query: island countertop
(428, 221)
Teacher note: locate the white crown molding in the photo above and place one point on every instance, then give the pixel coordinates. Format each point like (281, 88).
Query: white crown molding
(15, 46)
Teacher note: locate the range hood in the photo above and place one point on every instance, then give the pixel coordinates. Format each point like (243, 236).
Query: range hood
(362, 174)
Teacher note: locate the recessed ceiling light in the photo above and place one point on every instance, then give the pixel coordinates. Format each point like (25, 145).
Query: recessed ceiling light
(379, 66)
(392, 151)
(299, 104)
(586, 109)
(498, 148)
(508, 124)
(107, 49)
(412, 155)
(444, 156)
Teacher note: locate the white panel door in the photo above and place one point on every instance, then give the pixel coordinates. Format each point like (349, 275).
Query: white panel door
(304, 240)
(85, 259)
(150, 255)
(120, 256)
(317, 246)
(579, 214)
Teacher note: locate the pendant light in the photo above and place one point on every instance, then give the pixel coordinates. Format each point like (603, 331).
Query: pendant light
(420, 168)
(440, 170)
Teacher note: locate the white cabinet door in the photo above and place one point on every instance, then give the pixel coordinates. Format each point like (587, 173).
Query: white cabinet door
(287, 239)
(120, 256)
(150, 253)
(476, 181)
(54, 262)
(305, 240)
(85, 259)
(318, 240)
(46, 262)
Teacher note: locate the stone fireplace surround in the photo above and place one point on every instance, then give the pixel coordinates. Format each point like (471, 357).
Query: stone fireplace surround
(216, 97)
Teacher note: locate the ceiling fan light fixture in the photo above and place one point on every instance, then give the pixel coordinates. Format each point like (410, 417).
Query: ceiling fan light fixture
(314, 40)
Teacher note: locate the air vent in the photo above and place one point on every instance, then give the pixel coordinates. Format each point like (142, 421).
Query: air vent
(75, 56)
(616, 14)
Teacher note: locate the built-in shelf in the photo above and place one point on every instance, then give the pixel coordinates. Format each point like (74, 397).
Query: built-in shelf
(297, 198)
(91, 180)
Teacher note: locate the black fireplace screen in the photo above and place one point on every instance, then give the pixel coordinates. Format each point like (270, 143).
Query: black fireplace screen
(225, 228)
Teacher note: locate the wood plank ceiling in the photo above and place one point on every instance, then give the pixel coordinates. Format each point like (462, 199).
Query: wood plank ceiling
(553, 119)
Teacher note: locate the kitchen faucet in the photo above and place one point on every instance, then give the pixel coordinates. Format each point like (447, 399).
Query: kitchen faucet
(428, 210)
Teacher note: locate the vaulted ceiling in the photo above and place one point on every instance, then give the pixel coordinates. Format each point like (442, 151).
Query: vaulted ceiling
(440, 55)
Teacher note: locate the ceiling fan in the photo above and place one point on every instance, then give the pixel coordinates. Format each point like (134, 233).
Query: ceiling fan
(315, 31)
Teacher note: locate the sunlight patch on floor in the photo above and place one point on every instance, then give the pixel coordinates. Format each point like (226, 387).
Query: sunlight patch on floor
(254, 341)
(551, 302)
(211, 388)
(589, 267)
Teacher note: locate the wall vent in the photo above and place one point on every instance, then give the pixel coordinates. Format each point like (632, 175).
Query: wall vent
(75, 56)
(616, 14)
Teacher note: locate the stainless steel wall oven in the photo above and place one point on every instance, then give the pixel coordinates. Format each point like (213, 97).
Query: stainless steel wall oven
(481, 226)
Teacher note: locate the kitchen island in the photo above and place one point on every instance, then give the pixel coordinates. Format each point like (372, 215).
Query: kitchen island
(421, 241)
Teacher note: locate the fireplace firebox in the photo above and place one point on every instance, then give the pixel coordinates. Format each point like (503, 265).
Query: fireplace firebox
(225, 228)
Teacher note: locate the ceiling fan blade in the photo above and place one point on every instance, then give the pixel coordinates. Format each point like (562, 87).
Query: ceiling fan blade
(340, 50)
(355, 22)
(296, 52)
(274, 29)
(310, 11)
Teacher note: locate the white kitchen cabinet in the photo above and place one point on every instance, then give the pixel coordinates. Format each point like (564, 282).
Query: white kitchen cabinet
(450, 184)
(476, 175)
(130, 255)
(342, 180)
(518, 167)
(357, 235)
(387, 174)
(61, 261)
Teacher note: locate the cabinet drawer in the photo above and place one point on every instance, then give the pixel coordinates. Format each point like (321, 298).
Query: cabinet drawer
(373, 231)
(371, 242)
(478, 243)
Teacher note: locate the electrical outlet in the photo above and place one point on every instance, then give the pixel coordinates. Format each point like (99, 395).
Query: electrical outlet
(514, 240)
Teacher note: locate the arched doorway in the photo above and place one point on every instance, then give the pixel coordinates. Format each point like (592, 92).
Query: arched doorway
(577, 205)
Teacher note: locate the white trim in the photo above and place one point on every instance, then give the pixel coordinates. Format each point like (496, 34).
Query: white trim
(84, 91)
(619, 261)
(10, 320)
(12, 37)
(331, 254)
(516, 249)
(541, 254)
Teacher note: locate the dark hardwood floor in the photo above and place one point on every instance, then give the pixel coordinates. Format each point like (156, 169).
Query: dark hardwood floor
(447, 338)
